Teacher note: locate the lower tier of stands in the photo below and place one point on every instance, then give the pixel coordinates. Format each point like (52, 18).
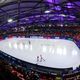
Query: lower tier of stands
(15, 69)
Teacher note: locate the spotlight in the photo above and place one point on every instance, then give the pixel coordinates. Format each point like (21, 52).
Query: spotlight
(10, 20)
(63, 15)
(47, 11)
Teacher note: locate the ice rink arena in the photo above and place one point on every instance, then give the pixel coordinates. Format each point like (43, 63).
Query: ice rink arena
(39, 39)
(56, 53)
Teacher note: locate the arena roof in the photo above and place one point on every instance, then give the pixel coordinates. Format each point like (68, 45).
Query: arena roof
(39, 11)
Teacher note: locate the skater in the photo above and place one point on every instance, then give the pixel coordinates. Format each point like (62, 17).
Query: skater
(37, 58)
(41, 58)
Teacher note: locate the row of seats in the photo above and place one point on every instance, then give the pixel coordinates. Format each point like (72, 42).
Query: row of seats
(47, 31)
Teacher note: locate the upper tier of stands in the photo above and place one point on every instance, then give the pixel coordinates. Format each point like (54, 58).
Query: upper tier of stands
(70, 33)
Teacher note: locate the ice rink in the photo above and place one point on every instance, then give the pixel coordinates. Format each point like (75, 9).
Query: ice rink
(56, 53)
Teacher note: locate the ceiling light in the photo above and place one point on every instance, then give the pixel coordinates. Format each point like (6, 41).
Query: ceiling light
(10, 20)
(63, 15)
(61, 25)
(47, 11)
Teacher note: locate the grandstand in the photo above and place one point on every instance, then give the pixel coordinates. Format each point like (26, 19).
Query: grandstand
(39, 39)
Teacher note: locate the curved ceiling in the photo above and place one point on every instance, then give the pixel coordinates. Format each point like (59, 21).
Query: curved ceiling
(39, 11)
